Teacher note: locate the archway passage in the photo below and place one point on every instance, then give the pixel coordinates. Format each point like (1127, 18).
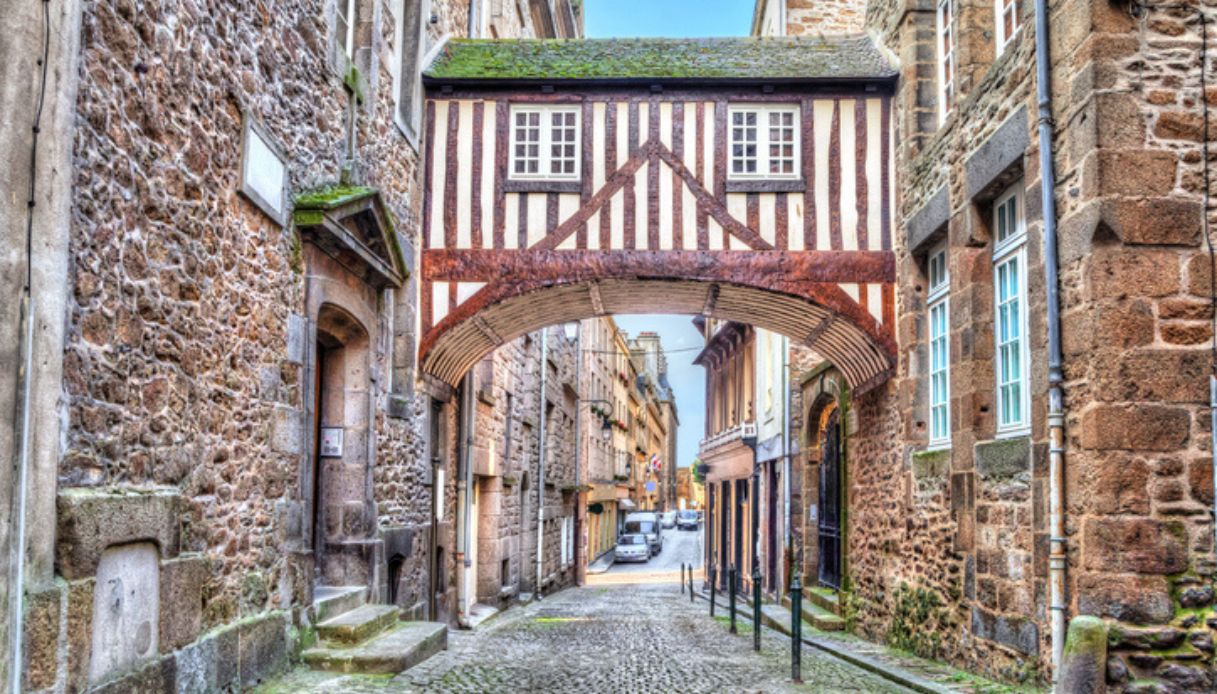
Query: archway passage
(759, 194)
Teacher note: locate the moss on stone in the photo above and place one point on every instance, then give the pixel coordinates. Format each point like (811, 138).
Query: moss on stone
(928, 464)
(716, 58)
(330, 197)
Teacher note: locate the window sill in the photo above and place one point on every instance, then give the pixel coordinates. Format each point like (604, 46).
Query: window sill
(540, 186)
(773, 185)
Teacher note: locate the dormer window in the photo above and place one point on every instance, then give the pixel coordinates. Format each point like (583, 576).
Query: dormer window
(545, 143)
(764, 142)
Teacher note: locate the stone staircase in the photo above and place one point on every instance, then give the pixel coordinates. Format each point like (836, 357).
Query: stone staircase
(821, 608)
(356, 637)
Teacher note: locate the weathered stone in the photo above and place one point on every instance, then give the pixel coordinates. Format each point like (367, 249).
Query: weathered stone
(287, 430)
(42, 637)
(1196, 596)
(1003, 150)
(1084, 662)
(1128, 598)
(91, 520)
(181, 596)
(126, 605)
(1134, 545)
(262, 648)
(923, 227)
(1180, 125)
(931, 464)
(1117, 486)
(1015, 632)
(1152, 221)
(1120, 273)
(1003, 458)
(1161, 375)
(1135, 427)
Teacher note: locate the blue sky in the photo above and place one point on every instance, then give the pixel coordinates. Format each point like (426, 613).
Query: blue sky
(676, 18)
(682, 342)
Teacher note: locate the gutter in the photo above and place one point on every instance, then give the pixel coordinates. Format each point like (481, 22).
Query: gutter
(541, 462)
(1057, 557)
(466, 503)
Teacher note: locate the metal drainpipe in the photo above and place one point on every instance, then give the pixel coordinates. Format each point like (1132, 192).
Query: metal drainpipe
(1057, 558)
(578, 445)
(787, 463)
(466, 507)
(541, 462)
(17, 599)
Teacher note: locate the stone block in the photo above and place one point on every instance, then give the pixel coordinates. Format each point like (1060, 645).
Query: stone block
(924, 225)
(1139, 426)
(79, 633)
(297, 338)
(1117, 273)
(1084, 663)
(1003, 459)
(1200, 480)
(1128, 598)
(1157, 375)
(287, 430)
(1134, 545)
(153, 678)
(181, 597)
(963, 500)
(1115, 485)
(196, 668)
(1156, 221)
(931, 464)
(1017, 633)
(42, 637)
(1136, 172)
(92, 519)
(262, 648)
(126, 606)
(1001, 152)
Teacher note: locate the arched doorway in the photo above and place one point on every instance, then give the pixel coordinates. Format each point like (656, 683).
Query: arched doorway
(341, 508)
(825, 478)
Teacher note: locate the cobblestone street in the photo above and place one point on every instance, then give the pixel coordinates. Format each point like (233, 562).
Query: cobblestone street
(619, 638)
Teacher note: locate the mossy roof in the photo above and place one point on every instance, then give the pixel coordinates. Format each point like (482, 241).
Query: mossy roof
(703, 60)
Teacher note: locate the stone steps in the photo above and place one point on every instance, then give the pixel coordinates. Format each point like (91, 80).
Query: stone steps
(358, 625)
(816, 615)
(402, 647)
(331, 601)
(826, 598)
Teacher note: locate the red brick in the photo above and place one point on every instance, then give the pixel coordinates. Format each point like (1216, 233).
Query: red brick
(1134, 545)
(1135, 427)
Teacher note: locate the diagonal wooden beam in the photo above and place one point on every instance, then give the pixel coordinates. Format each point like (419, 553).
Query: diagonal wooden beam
(711, 204)
(815, 333)
(484, 328)
(615, 182)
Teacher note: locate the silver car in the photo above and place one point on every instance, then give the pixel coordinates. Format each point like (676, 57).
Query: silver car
(632, 547)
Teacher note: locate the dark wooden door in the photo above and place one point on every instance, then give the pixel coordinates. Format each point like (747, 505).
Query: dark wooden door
(774, 528)
(830, 503)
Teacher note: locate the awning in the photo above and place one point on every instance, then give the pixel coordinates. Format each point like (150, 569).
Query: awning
(730, 462)
(626, 505)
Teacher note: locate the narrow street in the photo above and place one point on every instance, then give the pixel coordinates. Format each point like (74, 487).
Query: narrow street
(629, 630)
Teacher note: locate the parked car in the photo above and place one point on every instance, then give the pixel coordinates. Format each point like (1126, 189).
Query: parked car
(632, 547)
(669, 519)
(687, 520)
(646, 523)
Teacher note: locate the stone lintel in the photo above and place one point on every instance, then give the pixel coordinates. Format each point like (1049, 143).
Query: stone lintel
(92, 519)
(1003, 458)
(1004, 150)
(928, 225)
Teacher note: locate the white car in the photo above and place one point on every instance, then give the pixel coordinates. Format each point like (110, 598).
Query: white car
(632, 547)
(669, 519)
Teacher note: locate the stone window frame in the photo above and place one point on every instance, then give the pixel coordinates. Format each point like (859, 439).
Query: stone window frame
(1001, 10)
(938, 307)
(945, 65)
(762, 143)
(545, 131)
(1011, 249)
(410, 57)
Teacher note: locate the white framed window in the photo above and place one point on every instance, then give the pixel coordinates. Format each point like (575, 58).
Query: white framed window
(764, 141)
(1007, 21)
(413, 52)
(345, 22)
(1011, 360)
(545, 142)
(940, 347)
(945, 33)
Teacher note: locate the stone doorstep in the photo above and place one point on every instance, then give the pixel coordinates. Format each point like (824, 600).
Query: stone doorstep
(331, 601)
(359, 624)
(816, 616)
(480, 613)
(826, 598)
(407, 645)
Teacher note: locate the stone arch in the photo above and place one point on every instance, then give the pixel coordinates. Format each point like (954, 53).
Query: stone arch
(817, 313)
(827, 395)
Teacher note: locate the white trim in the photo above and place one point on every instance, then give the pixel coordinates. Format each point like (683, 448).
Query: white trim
(545, 160)
(939, 298)
(1011, 249)
(348, 41)
(999, 26)
(762, 142)
(949, 29)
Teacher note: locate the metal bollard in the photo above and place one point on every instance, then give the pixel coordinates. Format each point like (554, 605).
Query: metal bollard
(682, 578)
(690, 583)
(796, 629)
(713, 586)
(731, 595)
(756, 608)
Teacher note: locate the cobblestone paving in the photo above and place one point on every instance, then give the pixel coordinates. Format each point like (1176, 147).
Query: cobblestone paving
(629, 638)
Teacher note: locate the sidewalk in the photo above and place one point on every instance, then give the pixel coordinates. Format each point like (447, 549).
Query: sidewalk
(601, 564)
(906, 669)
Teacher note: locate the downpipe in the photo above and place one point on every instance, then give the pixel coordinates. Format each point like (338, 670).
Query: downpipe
(579, 457)
(17, 596)
(1058, 556)
(466, 502)
(787, 467)
(536, 592)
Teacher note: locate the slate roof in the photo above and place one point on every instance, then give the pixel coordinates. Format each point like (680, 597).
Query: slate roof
(698, 60)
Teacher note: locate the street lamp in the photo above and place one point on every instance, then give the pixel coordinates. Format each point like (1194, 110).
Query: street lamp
(571, 330)
(606, 424)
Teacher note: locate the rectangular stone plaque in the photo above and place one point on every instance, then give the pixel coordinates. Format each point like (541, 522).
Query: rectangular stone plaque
(331, 442)
(263, 172)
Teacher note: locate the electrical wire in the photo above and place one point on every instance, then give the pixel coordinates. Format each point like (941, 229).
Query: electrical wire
(30, 201)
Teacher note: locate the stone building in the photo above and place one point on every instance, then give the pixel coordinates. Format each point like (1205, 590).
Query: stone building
(658, 417)
(218, 403)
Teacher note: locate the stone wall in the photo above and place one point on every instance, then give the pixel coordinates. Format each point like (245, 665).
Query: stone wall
(814, 17)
